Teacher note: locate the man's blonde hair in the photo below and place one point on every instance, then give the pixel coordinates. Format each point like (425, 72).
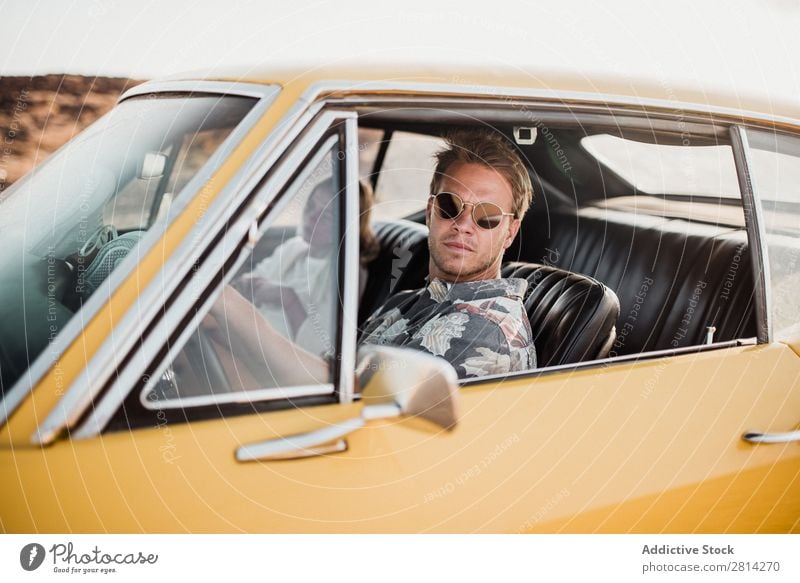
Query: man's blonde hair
(490, 149)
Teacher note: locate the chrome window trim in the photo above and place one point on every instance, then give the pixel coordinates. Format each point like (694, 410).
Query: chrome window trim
(359, 91)
(349, 312)
(164, 330)
(144, 356)
(239, 397)
(756, 234)
(45, 361)
(255, 90)
(611, 361)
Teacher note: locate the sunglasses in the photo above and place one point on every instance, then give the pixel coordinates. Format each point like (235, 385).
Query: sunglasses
(486, 215)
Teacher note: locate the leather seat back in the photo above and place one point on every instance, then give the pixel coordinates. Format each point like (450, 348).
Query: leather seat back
(674, 278)
(401, 264)
(572, 316)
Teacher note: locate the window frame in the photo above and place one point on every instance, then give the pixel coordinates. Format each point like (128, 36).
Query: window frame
(87, 408)
(758, 220)
(265, 202)
(282, 199)
(756, 234)
(710, 123)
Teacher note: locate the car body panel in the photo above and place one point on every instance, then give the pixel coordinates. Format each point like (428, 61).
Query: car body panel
(629, 448)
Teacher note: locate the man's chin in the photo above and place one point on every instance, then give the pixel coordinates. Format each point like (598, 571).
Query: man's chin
(457, 274)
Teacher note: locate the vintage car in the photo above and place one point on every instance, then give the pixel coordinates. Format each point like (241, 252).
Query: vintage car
(662, 254)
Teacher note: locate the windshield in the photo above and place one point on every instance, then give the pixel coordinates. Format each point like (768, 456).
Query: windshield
(67, 225)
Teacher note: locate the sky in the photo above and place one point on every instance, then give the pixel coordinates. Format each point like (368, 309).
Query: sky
(740, 46)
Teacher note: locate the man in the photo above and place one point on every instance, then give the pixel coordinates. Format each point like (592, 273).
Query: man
(467, 314)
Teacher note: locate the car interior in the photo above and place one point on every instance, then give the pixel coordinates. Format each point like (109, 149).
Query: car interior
(613, 269)
(634, 244)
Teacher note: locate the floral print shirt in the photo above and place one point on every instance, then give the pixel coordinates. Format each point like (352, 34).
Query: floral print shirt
(480, 327)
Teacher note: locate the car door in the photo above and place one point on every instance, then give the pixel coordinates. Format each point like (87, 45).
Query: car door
(636, 445)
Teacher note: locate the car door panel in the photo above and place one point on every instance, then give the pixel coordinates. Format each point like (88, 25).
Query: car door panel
(597, 450)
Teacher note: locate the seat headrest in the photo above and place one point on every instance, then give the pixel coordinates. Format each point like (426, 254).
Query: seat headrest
(572, 316)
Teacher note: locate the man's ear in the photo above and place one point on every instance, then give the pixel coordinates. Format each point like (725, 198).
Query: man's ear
(513, 229)
(428, 208)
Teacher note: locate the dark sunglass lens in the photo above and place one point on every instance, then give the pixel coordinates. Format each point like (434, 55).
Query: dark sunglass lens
(448, 205)
(487, 215)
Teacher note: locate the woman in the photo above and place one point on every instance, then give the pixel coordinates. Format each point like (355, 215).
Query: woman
(294, 288)
(277, 319)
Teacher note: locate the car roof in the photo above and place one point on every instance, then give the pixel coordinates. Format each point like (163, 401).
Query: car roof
(480, 80)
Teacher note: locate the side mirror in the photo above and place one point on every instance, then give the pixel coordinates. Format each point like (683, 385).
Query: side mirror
(396, 382)
(415, 383)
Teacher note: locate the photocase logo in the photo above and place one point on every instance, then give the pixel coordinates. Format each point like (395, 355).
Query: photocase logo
(31, 556)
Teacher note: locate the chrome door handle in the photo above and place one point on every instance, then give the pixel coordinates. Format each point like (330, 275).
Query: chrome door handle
(318, 442)
(309, 444)
(758, 437)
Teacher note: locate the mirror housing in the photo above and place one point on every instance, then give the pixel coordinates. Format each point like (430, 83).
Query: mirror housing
(422, 385)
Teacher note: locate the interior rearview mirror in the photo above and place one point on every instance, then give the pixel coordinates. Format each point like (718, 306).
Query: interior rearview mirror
(153, 165)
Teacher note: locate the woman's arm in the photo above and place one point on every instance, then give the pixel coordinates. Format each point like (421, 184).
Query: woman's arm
(265, 352)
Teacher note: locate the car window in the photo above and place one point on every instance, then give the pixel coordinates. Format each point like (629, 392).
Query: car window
(687, 169)
(776, 178)
(279, 312)
(69, 224)
(405, 175)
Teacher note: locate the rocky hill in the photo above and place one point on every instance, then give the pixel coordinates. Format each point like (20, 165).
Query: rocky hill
(38, 114)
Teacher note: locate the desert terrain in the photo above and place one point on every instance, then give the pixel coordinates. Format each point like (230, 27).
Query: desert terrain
(39, 114)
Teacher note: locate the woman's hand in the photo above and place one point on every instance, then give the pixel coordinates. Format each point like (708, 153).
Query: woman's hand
(266, 353)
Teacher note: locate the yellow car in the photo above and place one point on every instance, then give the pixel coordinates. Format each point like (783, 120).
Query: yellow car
(662, 252)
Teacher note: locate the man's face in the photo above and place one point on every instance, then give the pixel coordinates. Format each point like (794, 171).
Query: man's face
(460, 249)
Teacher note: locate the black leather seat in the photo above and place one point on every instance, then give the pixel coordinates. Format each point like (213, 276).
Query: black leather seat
(674, 278)
(572, 316)
(401, 264)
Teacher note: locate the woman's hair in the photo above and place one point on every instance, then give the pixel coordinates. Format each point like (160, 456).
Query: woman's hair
(369, 242)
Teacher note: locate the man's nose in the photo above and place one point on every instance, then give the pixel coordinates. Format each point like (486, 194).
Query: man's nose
(464, 222)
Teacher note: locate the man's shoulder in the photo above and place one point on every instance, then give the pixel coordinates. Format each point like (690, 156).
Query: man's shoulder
(493, 299)
(489, 296)
(512, 288)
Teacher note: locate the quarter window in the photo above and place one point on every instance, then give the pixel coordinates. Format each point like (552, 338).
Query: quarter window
(775, 162)
(276, 320)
